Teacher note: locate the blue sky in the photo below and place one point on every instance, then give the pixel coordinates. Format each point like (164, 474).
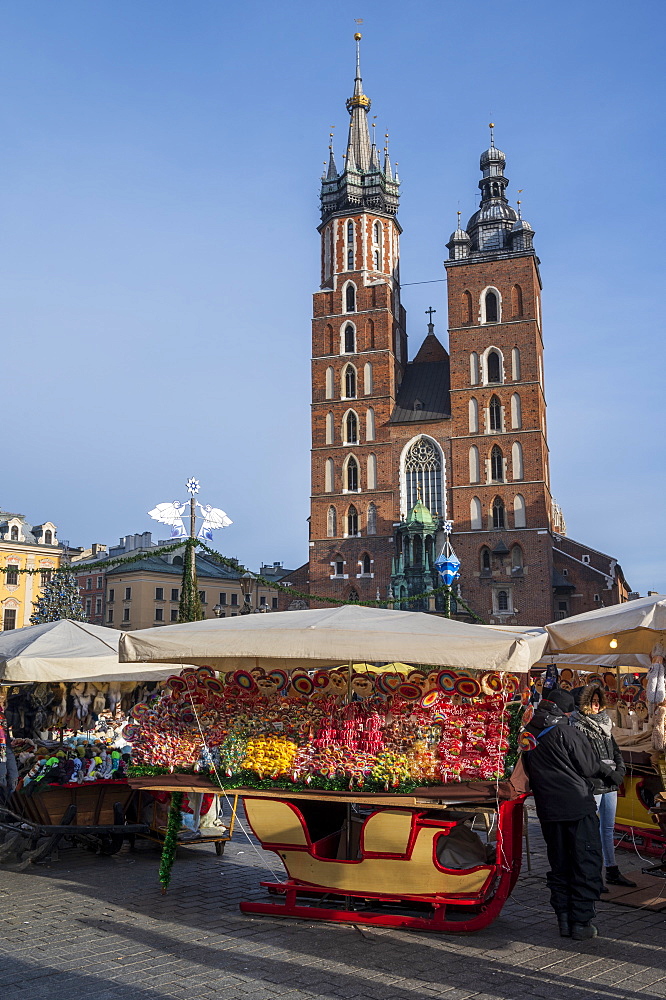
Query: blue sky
(159, 177)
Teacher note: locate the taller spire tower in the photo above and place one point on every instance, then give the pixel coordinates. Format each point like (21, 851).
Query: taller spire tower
(359, 349)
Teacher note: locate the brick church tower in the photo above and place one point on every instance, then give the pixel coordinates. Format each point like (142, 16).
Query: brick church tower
(358, 353)
(501, 502)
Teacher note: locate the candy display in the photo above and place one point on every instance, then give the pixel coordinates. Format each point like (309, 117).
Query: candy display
(387, 731)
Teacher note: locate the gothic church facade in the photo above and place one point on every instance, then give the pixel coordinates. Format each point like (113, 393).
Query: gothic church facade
(400, 447)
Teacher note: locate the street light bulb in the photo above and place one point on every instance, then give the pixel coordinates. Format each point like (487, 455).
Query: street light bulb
(613, 643)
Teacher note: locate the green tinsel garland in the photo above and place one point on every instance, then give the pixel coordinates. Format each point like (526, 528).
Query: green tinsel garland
(170, 840)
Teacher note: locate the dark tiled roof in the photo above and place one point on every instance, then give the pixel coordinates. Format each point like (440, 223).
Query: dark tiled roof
(424, 391)
(561, 581)
(154, 564)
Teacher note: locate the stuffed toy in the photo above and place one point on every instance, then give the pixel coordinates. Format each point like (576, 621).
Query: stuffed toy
(656, 679)
(659, 726)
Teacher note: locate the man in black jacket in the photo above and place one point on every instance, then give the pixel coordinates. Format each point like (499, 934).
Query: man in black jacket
(561, 765)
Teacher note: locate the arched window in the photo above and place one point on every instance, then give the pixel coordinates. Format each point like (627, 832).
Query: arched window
(328, 340)
(352, 521)
(370, 424)
(328, 476)
(350, 259)
(474, 471)
(494, 367)
(377, 234)
(485, 559)
(423, 472)
(366, 564)
(48, 538)
(351, 428)
(330, 428)
(349, 382)
(370, 336)
(14, 534)
(351, 475)
(350, 299)
(473, 408)
(372, 519)
(517, 460)
(466, 308)
(331, 523)
(519, 515)
(499, 513)
(502, 600)
(495, 414)
(372, 471)
(377, 258)
(516, 412)
(330, 377)
(497, 465)
(491, 303)
(516, 559)
(474, 368)
(515, 364)
(475, 514)
(350, 335)
(517, 301)
(367, 379)
(350, 232)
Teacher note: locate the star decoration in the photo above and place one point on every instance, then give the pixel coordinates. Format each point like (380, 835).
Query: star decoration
(192, 486)
(447, 527)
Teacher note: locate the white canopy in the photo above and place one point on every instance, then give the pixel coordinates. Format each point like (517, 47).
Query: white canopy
(68, 651)
(593, 664)
(330, 637)
(635, 626)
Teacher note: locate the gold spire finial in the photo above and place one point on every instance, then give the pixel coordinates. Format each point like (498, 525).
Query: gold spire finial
(358, 36)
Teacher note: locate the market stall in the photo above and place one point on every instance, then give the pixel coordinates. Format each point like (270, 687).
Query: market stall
(369, 778)
(67, 701)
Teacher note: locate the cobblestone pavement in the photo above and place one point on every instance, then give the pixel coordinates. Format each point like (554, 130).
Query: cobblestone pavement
(98, 928)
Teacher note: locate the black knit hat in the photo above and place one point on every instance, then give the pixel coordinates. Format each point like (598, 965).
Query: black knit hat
(563, 699)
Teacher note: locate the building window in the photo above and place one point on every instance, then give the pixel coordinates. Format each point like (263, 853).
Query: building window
(330, 377)
(519, 512)
(9, 619)
(352, 521)
(474, 368)
(502, 600)
(159, 614)
(350, 299)
(350, 339)
(515, 364)
(516, 559)
(109, 617)
(234, 600)
(372, 471)
(350, 259)
(274, 603)
(350, 232)
(597, 599)
(11, 575)
(491, 303)
(367, 379)
(516, 412)
(44, 577)
(517, 460)
(128, 593)
(495, 414)
(175, 594)
(497, 465)
(89, 583)
(475, 514)
(370, 424)
(98, 605)
(499, 513)
(485, 559)
(424, 475)
(377, 260)
(473, 408)
(173, 615)
(562, 609)
(494, 367)
(159, 593)
(48, 538)
(100, 582)
(350, 382)
(330, 428)
(331, 523)
(372, 519)
(202, 596)
(467, 308)
(88, 606)
(366, 565)
(351, 428)
(339, 567)
(328, 476)
(352, 475)
(126, 614)
(586, 559)
(112, 595)
(223, 598)
(474, 470)
(14, 534)
(377, 234)
(517, 301)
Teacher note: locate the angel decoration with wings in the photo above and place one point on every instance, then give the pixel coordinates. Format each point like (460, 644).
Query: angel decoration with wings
(172, 514)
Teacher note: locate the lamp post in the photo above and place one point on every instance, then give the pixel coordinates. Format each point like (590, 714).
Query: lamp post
(246, 582)
(217, 610)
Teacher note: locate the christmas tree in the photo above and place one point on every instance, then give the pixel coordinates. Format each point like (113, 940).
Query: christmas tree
(59, 599)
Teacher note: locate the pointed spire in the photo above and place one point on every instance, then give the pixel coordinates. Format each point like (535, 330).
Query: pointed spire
(332, 168)
(388, 173)
(358, 147)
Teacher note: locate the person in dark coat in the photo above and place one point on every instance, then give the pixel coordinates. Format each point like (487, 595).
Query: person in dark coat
(8, 766)
(591, 719)
(561, 767)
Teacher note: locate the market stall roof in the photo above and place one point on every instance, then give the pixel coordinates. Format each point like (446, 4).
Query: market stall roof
(333, 636)
(592, 664)
(69, 651)
(635, 627)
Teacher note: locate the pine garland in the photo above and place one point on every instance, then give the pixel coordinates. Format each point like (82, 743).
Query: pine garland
(170, 840)
(190, 608)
